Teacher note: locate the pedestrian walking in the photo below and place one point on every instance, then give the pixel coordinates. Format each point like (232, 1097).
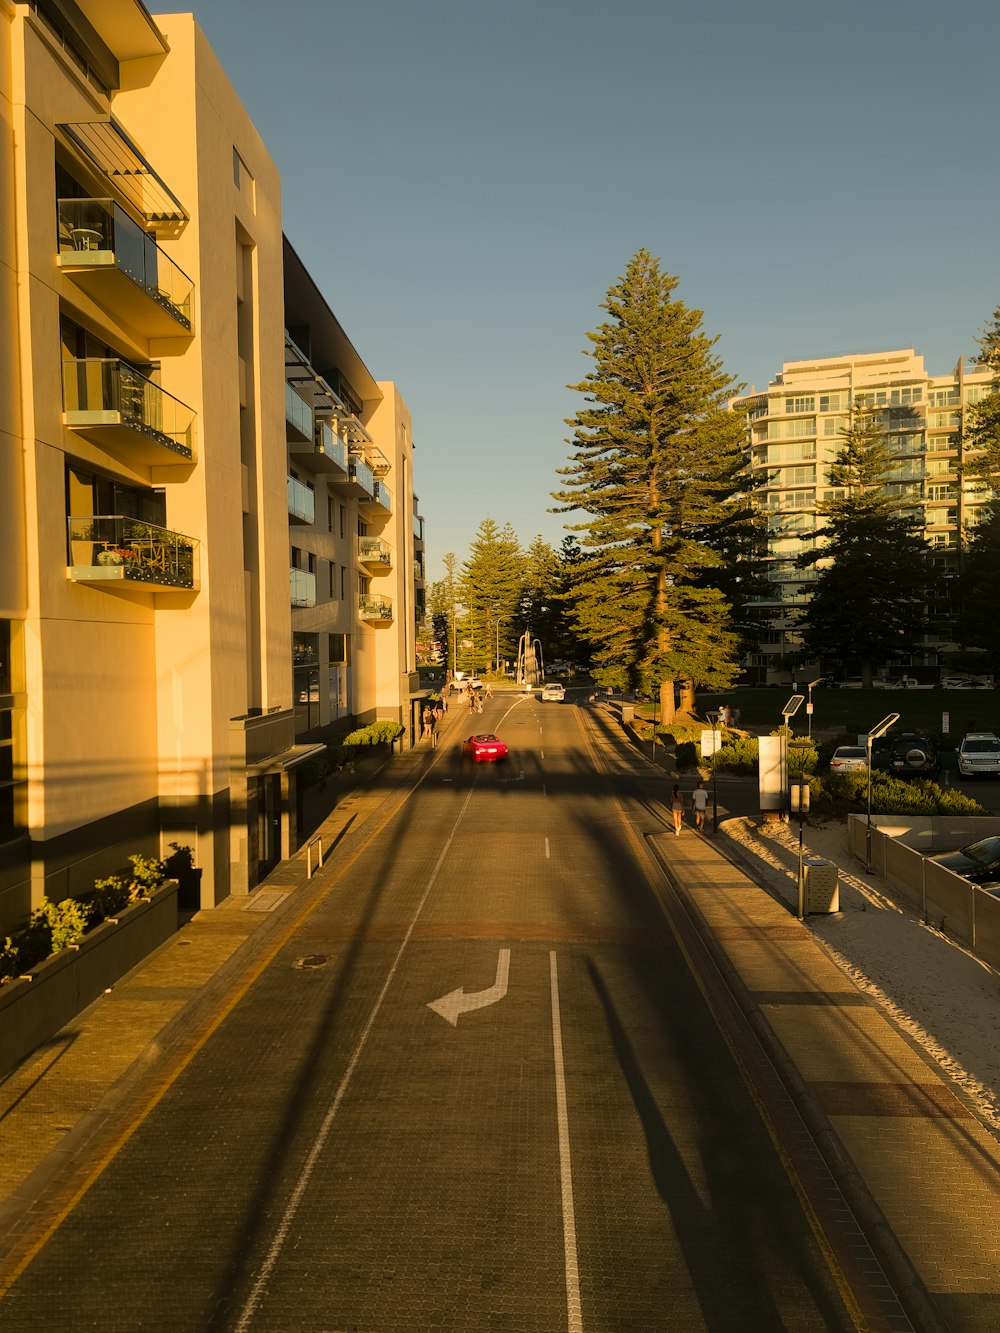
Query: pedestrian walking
(438, 713)
(489, 690)
(428, 720)
(699, 803)
(677, 809)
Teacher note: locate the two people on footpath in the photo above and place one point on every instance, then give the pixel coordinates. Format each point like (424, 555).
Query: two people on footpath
(699, 804)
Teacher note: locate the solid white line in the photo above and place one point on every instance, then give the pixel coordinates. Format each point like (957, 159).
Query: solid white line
(546, 849)
(284, 1226)
(541, 754)
(574, 1313)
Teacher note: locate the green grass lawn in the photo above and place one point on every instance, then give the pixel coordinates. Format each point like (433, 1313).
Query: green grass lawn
(854, 712)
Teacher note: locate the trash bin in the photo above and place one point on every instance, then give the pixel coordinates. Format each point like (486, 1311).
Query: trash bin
(628, 712)
(821, 885)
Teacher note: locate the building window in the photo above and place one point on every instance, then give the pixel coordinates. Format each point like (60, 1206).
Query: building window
(343, 584)
(329, 514)
(340, 649)
(331, 571)
(804, 404)
(343, 522)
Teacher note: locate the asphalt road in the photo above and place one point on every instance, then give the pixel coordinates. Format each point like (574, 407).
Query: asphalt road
(478, 1089)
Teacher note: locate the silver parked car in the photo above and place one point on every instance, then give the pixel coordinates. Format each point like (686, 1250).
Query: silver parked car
(848, 757)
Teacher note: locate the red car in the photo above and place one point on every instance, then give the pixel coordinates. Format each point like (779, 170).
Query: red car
(485, 748)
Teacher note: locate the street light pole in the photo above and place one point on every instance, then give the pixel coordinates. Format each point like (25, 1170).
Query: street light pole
(879, 730)
(714, 718)
(809, 706)
(787, 713)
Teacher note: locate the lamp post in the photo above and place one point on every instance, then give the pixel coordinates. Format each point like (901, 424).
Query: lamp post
(787, 713)
(879, 730)
(809, 706)
(713, 717)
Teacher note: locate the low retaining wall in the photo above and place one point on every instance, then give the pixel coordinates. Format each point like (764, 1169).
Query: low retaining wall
(944, 899)
(34, 1007)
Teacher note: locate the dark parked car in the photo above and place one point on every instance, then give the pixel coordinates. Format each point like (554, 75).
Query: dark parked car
(979, 861)
(911, 754)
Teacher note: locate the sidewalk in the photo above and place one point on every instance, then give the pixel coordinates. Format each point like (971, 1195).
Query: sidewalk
(55, 1105)
(907, 1149)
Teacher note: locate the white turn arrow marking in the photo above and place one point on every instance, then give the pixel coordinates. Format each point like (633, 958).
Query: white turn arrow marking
(456, 1002)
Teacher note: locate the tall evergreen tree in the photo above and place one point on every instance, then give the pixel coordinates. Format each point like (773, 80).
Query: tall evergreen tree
(490, 589)
(983, 420)
(655, 452)
(979, 624)
(868, 602)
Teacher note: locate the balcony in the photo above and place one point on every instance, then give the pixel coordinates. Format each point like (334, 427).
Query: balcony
(302, 587)
(123, 269)
(298, 416)
(375, 608)
(116, 551)
(374, 553)
(324, 453)
(109, 401)
(359, 482)
(301, 502)
(379, 501)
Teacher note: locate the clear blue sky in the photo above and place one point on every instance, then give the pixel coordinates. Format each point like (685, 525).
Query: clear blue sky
(466, 178)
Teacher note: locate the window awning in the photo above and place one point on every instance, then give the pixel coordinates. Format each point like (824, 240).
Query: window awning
(286, 759)
(105, 144)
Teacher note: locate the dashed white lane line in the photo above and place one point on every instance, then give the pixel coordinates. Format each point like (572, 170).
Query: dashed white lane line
(574, 1313)
(259, 1288)
(546, 849)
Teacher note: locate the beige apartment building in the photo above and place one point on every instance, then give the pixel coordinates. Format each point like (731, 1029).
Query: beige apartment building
(351, 516)
(146, 496)
(794, 431)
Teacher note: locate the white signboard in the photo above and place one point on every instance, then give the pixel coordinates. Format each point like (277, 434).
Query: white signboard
(772, 773)
(711, 743)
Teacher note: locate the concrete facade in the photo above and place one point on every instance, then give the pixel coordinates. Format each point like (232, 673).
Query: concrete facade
(146, 621)
(794, 433)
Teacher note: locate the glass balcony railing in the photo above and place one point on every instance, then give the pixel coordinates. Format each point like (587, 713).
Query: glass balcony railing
(330, 445)
(109, 399)
(374, 606)
(374, 551)
(98, 241)
(301, 502)
(298, 413)
(383, 495)
(302, 587)
(114, 548)
(362, 474)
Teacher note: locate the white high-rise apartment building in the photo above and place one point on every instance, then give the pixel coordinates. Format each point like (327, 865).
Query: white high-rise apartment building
(795, 430)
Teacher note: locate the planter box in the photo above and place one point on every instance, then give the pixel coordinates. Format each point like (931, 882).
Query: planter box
(34, 1007)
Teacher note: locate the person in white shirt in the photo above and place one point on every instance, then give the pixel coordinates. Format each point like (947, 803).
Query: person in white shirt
(699, 800)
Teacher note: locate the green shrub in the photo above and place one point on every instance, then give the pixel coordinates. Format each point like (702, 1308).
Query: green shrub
(738, 754)
(65, 922)
(802, 759)
(893, 796)
(688, 755)
(148, 874)
(107, 898)
(9, 960)
(376, 733)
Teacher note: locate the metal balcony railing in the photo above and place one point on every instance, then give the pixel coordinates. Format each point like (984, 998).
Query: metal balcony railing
(298, 413)
(383, 495)
(362, 474)
(374, 606)
(97, 237)
(302, 587)
(374, 551)
(109, 398)
(114, 548)
(301, 502)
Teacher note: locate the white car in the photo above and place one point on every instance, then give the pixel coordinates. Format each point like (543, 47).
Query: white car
(553, 694)
(979, 752)
(963, 683)
(848, 757)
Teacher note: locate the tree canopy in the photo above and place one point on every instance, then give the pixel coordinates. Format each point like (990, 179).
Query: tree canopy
(656, 459)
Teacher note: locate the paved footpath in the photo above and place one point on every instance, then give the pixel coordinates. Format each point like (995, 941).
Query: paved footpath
(917, 1167)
